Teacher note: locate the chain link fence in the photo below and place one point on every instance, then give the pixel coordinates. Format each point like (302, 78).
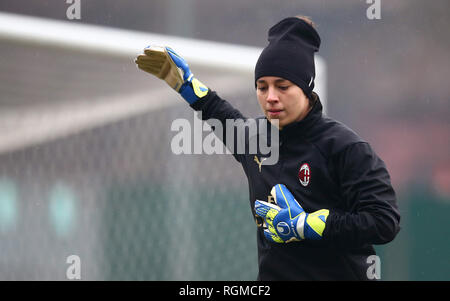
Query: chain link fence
(110, 190)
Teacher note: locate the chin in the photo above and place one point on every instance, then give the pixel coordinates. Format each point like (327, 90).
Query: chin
(276, 122)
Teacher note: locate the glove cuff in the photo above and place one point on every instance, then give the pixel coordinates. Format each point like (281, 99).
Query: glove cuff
(192, 90)
(314, 224)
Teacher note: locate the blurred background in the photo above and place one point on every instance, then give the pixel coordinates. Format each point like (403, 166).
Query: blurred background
(86, 166)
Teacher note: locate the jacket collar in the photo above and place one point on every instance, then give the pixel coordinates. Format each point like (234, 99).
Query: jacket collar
(301, 127)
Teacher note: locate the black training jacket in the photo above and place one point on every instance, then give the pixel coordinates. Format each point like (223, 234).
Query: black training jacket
(326, 166)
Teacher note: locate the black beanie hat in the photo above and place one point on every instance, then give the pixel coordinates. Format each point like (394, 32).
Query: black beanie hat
(290, 53)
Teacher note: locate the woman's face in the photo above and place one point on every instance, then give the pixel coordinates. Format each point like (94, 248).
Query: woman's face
(281, 99)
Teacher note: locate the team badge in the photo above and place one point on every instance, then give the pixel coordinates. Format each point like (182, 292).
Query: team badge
(304, 174)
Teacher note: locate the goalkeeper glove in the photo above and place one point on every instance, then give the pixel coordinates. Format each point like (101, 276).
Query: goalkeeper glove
(288, 221)
(165, 64)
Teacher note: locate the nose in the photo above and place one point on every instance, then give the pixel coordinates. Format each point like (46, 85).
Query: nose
(272, 95)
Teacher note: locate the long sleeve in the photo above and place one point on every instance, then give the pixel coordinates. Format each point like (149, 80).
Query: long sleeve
(214, 107)
(371, 215)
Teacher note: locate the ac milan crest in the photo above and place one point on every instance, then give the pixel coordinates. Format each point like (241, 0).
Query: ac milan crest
(304, 174)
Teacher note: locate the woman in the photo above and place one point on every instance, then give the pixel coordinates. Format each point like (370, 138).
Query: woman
(329, 196)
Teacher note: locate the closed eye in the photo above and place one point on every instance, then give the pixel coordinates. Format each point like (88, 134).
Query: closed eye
(262, 89)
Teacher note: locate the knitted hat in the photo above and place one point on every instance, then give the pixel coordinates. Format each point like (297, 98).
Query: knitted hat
(290, 53)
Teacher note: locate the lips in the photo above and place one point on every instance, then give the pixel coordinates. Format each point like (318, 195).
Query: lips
(274, 113)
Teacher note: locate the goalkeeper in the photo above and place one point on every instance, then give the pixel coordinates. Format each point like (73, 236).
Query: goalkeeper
(328, 199)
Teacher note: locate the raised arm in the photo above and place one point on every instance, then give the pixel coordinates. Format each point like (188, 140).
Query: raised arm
(164, 63)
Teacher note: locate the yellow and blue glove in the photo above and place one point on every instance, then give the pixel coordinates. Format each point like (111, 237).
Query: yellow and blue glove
(165, 64)
(287, 221)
